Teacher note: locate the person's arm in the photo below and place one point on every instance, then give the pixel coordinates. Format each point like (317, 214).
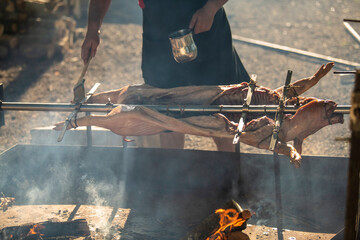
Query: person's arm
(97, 11)
(203, 18)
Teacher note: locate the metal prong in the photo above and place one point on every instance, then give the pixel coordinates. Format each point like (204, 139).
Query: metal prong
(63, 130)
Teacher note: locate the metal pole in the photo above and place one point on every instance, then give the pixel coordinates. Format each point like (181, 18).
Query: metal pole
(351, 230)
(88, 133)
(286, 49)
(274, 138)
(67, 107)
(278, 199)
(351, 20)
(2, 117)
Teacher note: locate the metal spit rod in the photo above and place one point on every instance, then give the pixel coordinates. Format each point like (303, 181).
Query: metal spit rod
(68, 107)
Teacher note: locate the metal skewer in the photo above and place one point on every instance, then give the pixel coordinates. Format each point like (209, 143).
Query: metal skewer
(344, 72)
(280, 113)
(245, 108)
(69, 107)
(75, 112)
(351, 20)
(278, 121)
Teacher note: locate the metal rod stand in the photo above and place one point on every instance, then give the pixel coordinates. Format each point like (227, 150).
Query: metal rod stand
(88, 133)
(2, 117)
(274, 139)
(278, 199)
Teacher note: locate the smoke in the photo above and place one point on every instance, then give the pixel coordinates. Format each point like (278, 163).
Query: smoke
(167, 190)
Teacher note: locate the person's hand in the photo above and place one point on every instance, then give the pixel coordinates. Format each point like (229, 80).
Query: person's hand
(90, 45)
(203, 18)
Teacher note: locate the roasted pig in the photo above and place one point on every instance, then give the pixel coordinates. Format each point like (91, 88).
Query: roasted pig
(126, 120)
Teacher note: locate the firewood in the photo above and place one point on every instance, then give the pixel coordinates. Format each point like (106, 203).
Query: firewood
(43, 22)
(79, 33)
(37, 38)
(45, 26)
(9, 41)
(22, 17)
(2, 29)
(37, 7)
(37, 50)
(69, 229)
(10, 26)
(63, 45)
(20, 5)
(237, 235)
(10, 6)
(211, 223)
(70, 23)
(4, 52)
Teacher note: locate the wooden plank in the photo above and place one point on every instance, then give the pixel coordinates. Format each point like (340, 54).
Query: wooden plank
(294, 50)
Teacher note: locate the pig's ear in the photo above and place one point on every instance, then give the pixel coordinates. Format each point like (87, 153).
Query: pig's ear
(298, 144)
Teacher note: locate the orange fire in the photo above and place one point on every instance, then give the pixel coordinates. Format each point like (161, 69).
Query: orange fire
(229, 219)
(36, 230)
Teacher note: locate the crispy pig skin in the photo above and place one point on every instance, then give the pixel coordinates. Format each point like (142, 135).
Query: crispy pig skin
(313, 114)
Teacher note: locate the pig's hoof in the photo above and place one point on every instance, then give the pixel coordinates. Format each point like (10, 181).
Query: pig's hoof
(295, 159)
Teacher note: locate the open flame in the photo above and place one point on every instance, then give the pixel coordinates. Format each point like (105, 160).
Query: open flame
(36, 230)
(229, 219)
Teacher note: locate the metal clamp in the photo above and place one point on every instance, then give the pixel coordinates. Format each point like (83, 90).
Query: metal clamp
(280, 112)
(75, 112)
(245, 108)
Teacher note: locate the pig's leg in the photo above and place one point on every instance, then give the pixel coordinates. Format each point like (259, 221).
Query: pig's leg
(141, 121)
(258, 134)
(302, 85)
(298, 144)
(121, 121)
(285, 149)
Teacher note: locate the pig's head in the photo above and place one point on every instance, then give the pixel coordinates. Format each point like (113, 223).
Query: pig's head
(319, 113)
(310, 118)
(330, 114)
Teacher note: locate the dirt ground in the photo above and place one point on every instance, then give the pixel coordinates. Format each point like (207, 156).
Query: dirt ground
(309, 25)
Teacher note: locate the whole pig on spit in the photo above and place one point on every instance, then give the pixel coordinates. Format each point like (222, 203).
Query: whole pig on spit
(313, 114)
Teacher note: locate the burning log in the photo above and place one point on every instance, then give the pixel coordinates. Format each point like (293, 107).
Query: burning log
(47, 230)
(225, 223)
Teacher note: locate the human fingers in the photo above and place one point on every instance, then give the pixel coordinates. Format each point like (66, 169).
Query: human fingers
(193, 22)
(202, 21)
(89, 47)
